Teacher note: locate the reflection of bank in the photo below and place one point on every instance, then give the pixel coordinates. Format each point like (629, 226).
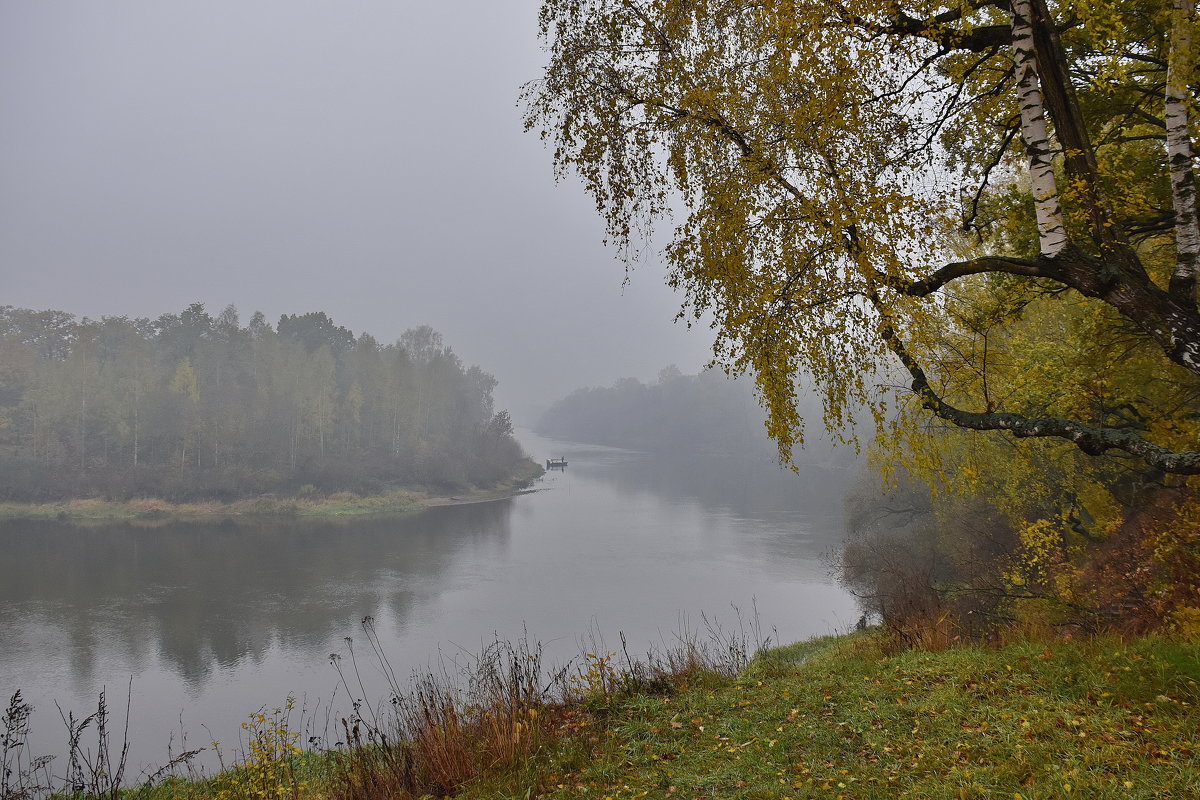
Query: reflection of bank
(746, 486)
(788, 524)
(202, 596)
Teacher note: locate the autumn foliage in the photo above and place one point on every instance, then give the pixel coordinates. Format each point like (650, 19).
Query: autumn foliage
(974, 221)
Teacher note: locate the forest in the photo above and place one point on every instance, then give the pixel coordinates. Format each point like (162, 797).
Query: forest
(194, 406)
(707, 414)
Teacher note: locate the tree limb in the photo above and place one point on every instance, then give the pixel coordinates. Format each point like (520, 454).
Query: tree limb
(1040, 268)
(1088, 438)
(935, 30)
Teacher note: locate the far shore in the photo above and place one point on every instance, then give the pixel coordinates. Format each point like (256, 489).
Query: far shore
(334, 504)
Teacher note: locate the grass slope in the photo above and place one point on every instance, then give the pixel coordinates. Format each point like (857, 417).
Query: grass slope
(840, 718)
(833, 718)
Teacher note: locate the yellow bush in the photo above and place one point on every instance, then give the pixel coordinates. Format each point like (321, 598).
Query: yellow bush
(267, 769)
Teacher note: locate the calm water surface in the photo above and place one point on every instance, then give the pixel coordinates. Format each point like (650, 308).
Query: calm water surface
(214, 620)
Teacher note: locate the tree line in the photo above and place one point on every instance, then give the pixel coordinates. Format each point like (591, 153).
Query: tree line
(688, 415)
(192, 405)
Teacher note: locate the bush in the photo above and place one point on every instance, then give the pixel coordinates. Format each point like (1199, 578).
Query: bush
(930, 574)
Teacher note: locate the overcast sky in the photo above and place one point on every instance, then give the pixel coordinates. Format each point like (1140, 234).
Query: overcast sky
(362, 158)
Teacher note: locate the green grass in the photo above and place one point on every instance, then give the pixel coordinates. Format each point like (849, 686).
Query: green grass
(840, 718)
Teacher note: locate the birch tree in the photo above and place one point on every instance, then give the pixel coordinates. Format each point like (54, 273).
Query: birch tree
(848, 171)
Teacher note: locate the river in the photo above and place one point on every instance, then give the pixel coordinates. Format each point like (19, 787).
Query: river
(213, 620)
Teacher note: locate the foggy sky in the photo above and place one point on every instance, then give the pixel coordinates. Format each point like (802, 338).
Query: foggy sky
(362, 158)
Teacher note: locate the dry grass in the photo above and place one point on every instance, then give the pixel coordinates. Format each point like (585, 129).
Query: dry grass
(338, 504)
(446, 728)
(497, 719)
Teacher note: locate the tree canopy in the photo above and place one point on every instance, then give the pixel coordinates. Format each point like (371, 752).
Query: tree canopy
(190, 406)
(994, 199)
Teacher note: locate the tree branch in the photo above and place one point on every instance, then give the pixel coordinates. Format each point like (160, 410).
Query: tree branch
(1040, 268)
(1010, 133)
(1088, 438)
(935, 30)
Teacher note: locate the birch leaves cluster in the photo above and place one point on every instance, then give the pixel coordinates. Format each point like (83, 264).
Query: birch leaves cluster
(994, 201)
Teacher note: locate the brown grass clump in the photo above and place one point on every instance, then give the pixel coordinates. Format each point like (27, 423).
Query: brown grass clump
(446, 729)
(496, 716)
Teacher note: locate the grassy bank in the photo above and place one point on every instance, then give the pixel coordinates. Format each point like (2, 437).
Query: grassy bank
(303, 504)
(840, 717)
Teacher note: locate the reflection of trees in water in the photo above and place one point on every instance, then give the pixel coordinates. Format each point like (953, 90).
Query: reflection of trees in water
(209, 595)
(746, 487)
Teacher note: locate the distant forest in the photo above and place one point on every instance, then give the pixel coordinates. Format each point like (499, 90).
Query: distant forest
(708, 413)
(190, 406)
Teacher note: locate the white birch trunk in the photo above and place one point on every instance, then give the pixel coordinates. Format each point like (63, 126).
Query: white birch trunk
(1052, 234)
(1179, 143)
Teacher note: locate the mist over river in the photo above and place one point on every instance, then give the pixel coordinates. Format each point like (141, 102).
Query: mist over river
(216, 619)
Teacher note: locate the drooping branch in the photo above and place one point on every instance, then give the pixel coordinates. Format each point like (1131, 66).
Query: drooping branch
(1052, 233)
(1106, 275)
(1091, 439)
(1118, 282)
(1179, 154)
(1010, 132)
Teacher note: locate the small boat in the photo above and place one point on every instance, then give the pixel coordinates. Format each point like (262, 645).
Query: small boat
(556, 463)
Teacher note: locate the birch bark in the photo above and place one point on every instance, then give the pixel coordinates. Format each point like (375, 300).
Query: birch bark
(1179, 151)
(1052, 234)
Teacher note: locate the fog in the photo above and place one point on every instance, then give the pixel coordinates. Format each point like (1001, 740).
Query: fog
(364, 159)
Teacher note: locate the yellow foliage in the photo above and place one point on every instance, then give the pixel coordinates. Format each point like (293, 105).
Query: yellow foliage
(184, 381)
(1185, 623)
(600, 677)
(858, 214)
(268, 765)
(823, 154)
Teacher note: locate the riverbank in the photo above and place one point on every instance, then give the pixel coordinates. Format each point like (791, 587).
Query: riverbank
(839, 717)
(397, 500)
(843, 718)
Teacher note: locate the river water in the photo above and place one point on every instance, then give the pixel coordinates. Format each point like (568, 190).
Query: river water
(214, 620)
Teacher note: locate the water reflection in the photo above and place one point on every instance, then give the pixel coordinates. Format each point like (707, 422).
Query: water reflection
(215, 619)
(780, 519)
(207, 596)
(744, 487)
